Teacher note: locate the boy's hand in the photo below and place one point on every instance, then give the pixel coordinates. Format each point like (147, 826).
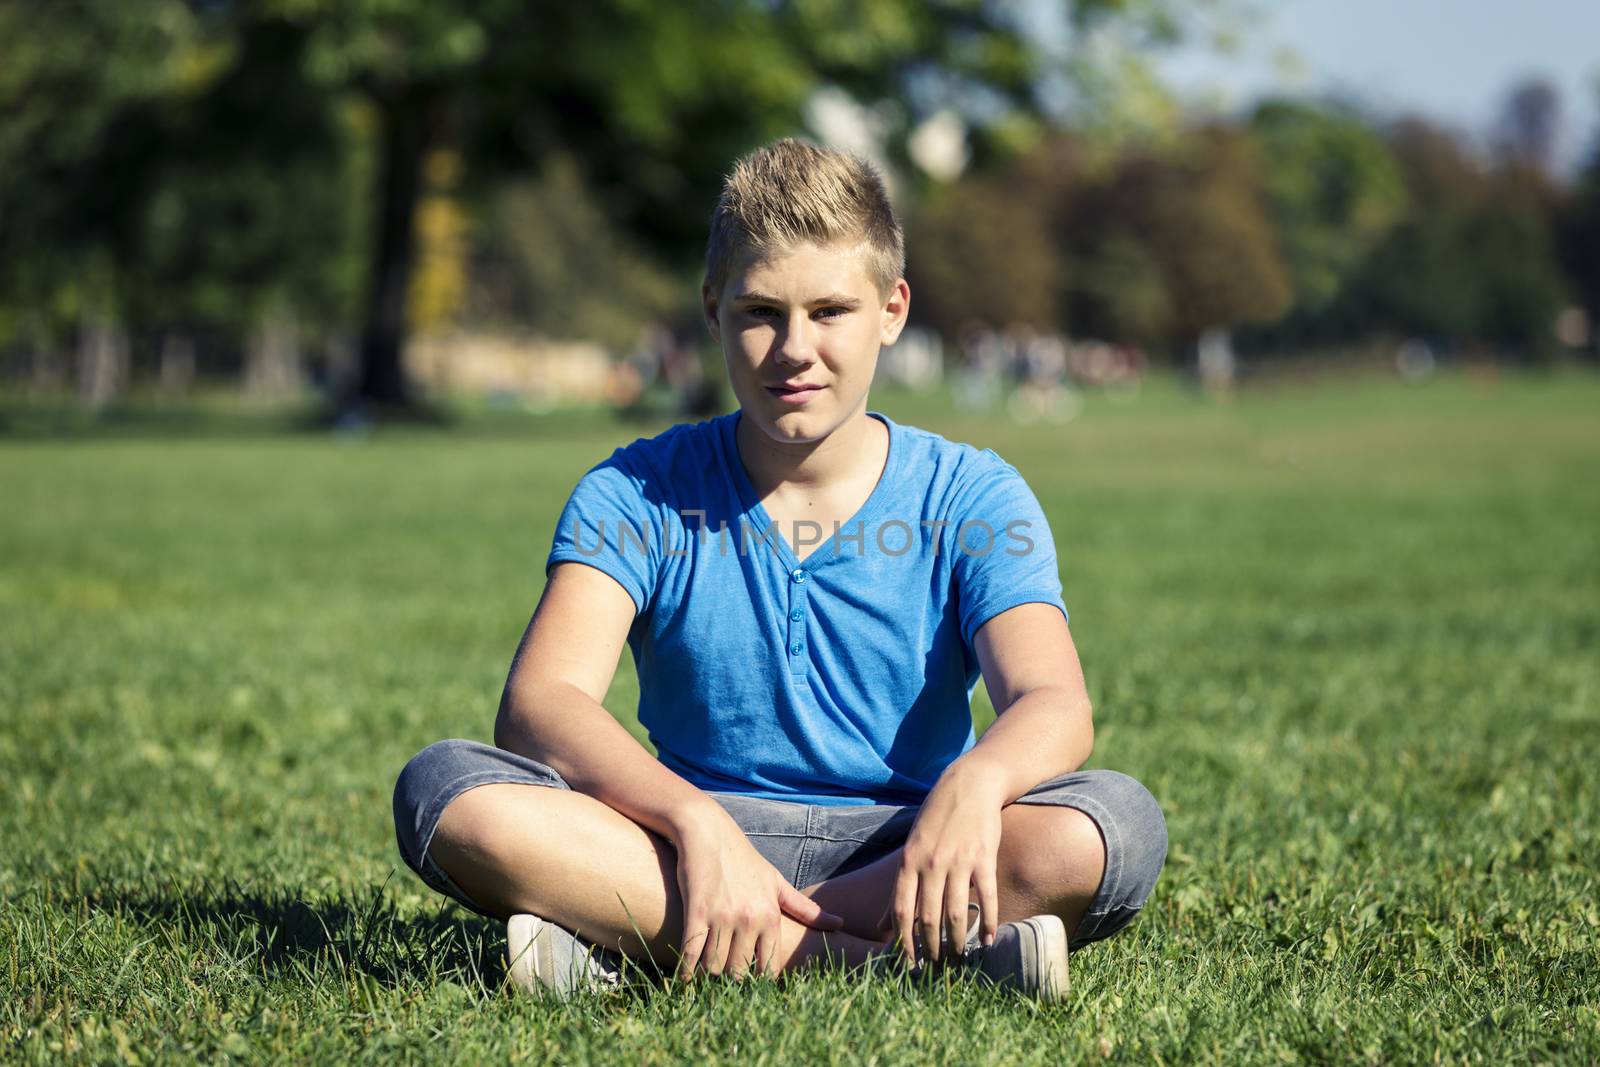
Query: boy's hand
(953, 846)
(733, 904)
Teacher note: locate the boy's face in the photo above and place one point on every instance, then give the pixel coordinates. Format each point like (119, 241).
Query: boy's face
(800, 332)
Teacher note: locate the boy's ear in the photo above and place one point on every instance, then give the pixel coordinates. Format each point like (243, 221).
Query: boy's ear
(708, 307)
(895, 310)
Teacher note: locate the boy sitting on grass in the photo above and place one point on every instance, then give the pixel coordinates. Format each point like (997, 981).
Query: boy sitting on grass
(809, 591)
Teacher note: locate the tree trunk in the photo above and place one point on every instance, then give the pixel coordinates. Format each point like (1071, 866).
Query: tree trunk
(102, 360)
(44, 359)
(177, 363)
(272, 360)
(1215, 365)
(379, 387)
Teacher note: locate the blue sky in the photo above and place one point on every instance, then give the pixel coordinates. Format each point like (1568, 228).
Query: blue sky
(1452, 59)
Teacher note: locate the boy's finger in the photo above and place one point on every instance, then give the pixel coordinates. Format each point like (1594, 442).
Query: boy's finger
(714, 955)
(802, 908)
(955, 913)
(742, 945)
(930, 902)
(767, 950)
(988, 902)
(693, 943)
(905, 914)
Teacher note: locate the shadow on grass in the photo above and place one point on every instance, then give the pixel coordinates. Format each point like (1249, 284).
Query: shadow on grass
(305, 935)
(327, 939)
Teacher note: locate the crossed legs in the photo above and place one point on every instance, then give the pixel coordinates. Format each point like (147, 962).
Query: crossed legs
(1051, 861)
(571, 859)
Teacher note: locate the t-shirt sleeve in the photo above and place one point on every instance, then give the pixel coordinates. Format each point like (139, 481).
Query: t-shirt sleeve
(610, 524)
(1003, 552)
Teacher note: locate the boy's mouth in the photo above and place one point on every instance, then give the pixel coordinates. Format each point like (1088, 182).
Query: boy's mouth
(794, 394)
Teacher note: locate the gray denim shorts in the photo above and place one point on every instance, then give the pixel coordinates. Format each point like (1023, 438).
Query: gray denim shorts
(808, 843)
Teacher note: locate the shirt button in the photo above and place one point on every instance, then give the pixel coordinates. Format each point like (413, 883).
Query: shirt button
(797, 615)
(795, 650)
(798, 574)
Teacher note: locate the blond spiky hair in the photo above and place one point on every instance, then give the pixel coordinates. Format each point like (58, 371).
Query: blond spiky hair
(792, 191)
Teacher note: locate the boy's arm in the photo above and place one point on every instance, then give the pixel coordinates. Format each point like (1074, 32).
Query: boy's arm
(1044, 725)
(1044, 728)
(551, 711)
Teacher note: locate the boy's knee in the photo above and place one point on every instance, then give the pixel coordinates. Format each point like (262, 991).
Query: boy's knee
(443, 771)
(1135, 833)
(423, 780)
(1051, 852)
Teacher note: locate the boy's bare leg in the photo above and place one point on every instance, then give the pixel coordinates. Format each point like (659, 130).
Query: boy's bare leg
(1051, 860)
(568, 858)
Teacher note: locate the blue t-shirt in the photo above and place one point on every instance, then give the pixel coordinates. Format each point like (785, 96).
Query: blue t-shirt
(844, 678)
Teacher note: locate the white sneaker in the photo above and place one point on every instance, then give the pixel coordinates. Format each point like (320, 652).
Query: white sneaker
(1029, 956)
(549, 960)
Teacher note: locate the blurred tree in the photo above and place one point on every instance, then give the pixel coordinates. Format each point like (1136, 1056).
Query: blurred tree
(250, 213)
(1333, 190)
(1156, 245)
(70, 71)
(1529, 127)
(546, 254)
(979, 254)
(1521, 285)
(652, 100)
(238, 128)
(1580, 244)
(439, 283)
(1207, 223)
(1173, 243)
(1473, 263)
(232, 188)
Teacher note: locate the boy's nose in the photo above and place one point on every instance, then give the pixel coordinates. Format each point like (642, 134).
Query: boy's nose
(797, 345)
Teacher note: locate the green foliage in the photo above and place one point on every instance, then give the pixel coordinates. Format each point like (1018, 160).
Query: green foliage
(77, 76)
(978, 254)
(1207, 228)
(1333, 188)
(1154, 245)
(223, 232)
(653, 100)
(227, 126)
(269, 154)
(1474, 261)
(549, 258)
(231, 188)
(1307, 226)
(1172, 242)
(1120, 292)
(1345, 637)
(1580, 242)
(386, 46)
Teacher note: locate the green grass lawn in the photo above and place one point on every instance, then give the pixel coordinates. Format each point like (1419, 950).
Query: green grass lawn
(1347, 636)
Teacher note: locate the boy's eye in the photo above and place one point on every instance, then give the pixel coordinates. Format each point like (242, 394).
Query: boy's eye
(763, 312)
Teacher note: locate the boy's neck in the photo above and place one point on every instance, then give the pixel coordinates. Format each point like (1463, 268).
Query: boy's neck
(857, 450)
